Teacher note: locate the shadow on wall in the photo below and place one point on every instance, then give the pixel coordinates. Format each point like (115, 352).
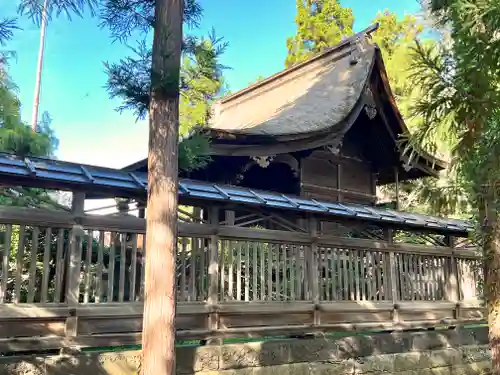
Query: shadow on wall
(466, 350)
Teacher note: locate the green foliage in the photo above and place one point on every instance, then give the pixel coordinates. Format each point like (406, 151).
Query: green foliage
(200, 80)
(460, 101)
(7, 27)
(320, 24)
(193, 152)
(18, 138)
(395, 37)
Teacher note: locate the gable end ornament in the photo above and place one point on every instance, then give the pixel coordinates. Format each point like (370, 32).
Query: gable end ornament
(370, 107)
(334, 149)
(263, 161)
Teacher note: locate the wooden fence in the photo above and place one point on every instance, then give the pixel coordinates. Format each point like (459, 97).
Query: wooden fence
(76, 280)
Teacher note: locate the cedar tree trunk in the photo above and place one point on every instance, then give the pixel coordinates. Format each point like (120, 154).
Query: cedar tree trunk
(491, 233)
(158, 340)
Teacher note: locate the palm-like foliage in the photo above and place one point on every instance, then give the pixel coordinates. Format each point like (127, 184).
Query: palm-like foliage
(461, 93)
(34, 8)
(7, 27)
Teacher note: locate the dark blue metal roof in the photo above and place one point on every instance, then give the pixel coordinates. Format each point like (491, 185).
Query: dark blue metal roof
(55, 174)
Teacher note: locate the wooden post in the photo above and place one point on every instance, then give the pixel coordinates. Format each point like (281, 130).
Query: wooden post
(123, 206)
(142, 212)
(452, 284)
(213, 273)
(75, 257)
(396, 178)
(392, 278)
(313, 270)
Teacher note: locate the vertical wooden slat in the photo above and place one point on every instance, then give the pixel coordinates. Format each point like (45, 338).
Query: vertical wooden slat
(224, 289)
(443, 276)
(261, 249)
(87, 273)
(379, 276)
(247, 271)
(345, 273)
(369, 276)
(32, 269)
(133, 268)
(293, 275)
(421, 270)
(239, 247)
(183, 269)
(143, 267)
(60, 262)
(192, 270)
(203, 269)
(386, 277)
(332, 275)
(46, 264)
(123, 259)
(230, 270)
(352, 275)
(255, 272)
(111, 268)
(432, 278)
(100, 267)
(19, 263)
(5, 263)
(299, 276)
(403, 276)
(270, 263)
(277, 278)
(408, 277)
(357, 260)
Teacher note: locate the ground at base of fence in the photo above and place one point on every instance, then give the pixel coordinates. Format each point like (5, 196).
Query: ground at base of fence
(460, 352)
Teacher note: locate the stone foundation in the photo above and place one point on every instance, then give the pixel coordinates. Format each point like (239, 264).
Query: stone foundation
(463, 352)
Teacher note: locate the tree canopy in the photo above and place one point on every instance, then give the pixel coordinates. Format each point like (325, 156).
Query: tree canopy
(320, 24)
(201, 78)
(460, 96)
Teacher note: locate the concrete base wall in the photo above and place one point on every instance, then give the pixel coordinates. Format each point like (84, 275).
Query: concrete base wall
(460, 352)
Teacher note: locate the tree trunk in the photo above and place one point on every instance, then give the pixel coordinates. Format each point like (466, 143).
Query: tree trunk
(491, 235)
(161, 233)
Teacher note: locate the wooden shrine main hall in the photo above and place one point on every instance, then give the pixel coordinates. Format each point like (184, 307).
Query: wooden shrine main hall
(279, 235)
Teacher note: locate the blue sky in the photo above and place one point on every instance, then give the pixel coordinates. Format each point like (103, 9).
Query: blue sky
(84, 118)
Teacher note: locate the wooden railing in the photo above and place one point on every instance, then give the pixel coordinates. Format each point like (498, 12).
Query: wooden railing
(75, 280)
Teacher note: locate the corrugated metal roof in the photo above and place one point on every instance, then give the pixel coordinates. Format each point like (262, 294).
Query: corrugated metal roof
(55, 174)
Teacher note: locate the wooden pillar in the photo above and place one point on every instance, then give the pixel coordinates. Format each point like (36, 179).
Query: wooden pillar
(393, 285)
(142, 213)
(396, 178)
(122, 205)
(340, 197)
(74, 265)
(213, 272)
(452, 284)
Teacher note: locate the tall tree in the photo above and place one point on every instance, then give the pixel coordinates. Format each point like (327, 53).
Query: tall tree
(460, 99)
(41, 12)
(158, 340)
(152, 82)
(320, 24)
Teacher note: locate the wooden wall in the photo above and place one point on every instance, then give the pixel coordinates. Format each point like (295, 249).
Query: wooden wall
(344, 178)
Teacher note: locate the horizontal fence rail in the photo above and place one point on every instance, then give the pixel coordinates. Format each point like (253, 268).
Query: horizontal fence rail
(76, 280)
